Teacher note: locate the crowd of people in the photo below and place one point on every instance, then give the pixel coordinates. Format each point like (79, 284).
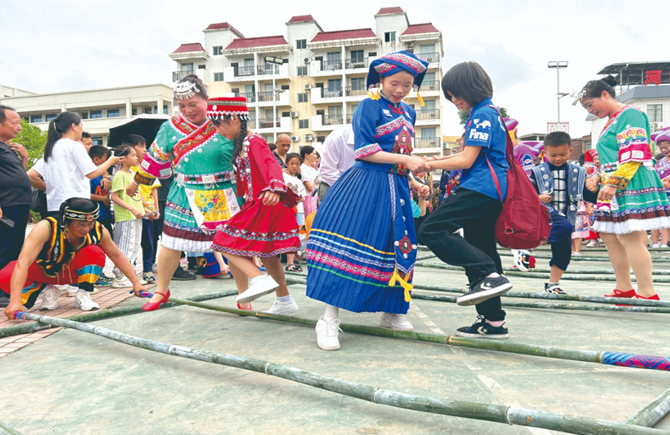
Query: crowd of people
(355, 212)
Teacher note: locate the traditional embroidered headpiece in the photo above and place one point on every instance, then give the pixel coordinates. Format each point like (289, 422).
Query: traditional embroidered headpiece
(219, 107)
(511, 125)
(185, 90)
(661, 135)
(393, 63)
(589, 155)
(86, 210)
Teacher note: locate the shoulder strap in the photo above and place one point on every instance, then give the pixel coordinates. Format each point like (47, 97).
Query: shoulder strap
(509, 152)
(495, 178)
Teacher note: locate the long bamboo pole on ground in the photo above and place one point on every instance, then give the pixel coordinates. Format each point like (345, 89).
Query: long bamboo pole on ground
(548, 306)
(652, 413)
(536, 270)
(27, 328)
(6, 430)
(655, 259)
(601, 357)
(456, 408)
(527, 295)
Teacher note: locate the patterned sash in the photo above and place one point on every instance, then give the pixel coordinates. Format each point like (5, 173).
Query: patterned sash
(195, 138)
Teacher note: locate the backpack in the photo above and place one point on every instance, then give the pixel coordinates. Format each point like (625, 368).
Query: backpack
(523, 222)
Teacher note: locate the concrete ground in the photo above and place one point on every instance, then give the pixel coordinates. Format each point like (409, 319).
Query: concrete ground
(71, 382)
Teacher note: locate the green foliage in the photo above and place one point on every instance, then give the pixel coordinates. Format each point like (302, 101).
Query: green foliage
(463, 115)
(33, 139)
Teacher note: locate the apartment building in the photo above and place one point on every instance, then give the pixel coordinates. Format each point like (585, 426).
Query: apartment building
(100, 109)
(322, 79)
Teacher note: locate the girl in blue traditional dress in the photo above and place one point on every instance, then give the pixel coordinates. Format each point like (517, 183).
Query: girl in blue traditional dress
(362, 244)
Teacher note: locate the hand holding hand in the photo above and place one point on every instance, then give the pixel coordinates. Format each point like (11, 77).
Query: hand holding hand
(545, 198)
(424, 191)
(592, 183)
(269, 198)
(607, 193)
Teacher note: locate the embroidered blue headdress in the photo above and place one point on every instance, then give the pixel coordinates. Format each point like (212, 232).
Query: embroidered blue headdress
(393, 63)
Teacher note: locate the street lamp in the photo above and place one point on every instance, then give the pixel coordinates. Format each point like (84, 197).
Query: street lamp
(558, 64)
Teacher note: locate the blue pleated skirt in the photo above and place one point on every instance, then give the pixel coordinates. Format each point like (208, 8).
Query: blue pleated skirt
(350, 252)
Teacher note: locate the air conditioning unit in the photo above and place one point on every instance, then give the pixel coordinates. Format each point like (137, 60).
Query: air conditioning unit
(308, 86)
(653, 126)
(309, 137)
(295, 138)
(295, 114)
(409, 44)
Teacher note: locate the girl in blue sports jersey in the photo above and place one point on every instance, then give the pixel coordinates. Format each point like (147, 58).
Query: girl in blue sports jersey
(476, 204)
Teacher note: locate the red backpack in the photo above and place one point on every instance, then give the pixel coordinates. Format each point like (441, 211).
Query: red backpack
(523, 222)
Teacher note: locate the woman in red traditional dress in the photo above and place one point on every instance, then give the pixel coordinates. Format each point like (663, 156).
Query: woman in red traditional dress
(266, 225)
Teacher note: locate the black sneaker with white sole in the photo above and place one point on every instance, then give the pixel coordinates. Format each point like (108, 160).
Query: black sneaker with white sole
(481, 329)
(550, 287)
(486, 289)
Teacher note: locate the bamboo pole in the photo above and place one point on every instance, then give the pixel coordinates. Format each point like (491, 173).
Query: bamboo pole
(27, 328)
(652, 413)
(6, 430)
(602, 357)
(426, 257)
(656, 259)
(546, 306)
(543, 295)
(536, 270)
(569, 277)
(456, 408)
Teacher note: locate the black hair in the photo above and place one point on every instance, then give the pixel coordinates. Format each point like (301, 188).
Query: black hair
(84, 205)
(133, 139)
(595, 88)
(238, 143)
(98, 151)
(59, 125)
(582, 159)
(199, 85)
(290, 156)
(469, 81)
(3, 116)
(659, 156)
(557, 139)
(85, 135)
(307, 149)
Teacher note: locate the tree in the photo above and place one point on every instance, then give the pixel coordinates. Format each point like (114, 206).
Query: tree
(33, 139)
(464, 114)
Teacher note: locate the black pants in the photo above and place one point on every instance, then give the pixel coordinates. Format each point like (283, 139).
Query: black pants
(11, 239)
(476, 214)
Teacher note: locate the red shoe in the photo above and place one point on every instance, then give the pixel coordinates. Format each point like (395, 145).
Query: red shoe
(239, 307)
(619, 294)
(651, 298)
(152, 306)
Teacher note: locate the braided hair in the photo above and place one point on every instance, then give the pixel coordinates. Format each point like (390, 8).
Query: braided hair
(239, 140)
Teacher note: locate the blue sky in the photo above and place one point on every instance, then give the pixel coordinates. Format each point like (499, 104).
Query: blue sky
(64, 45)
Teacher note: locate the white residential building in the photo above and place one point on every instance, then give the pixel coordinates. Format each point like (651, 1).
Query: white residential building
(322, 80)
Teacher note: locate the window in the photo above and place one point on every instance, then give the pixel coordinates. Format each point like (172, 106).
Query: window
(358, 84)
(303, 98)
(97, 140)
(303, 123)
(165, 109)
(429, 77)
(427, 48)
(96, 114)
(202, 66)
(302, 71)
(218, 77)
(372, 54)
(428, 132)
(300, 44)
(286, 114)
(155, 110)
(113, 113)
(187, 67)
(335, 111)
(218, 50)
(35, 118)
(335, 85)
(134, 111)
(334, 56)
(50, 116)
(84, 115)
(357, 56)
(249, 62)
(428, 105)
(147, 110)
(389, 37)
(655, 112)
(285, 87)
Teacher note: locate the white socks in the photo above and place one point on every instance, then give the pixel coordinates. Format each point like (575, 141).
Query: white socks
(332, 312)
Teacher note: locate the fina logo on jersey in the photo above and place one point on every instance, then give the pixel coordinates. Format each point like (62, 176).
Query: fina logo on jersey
(479, 135)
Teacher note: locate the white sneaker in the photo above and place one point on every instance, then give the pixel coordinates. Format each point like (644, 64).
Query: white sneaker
(655, 245)
(48, 298)
(121, 282)
(83, 300)
(326, 333)
(283, 308)
(259, 286)
(72, 291)
(395, 321)
(141, 280)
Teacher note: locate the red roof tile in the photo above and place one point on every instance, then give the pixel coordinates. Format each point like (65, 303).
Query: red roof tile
(344, 34)
(223, 26)
(301, 19)
(187, 48)
(264, 41)
(414, 29)
(394, 10)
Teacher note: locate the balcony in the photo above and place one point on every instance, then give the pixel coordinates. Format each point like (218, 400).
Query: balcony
(357, 63)
(427, 145)
(431, 85)
(253, 72)
(326, 122)
(267, 70)
(331, 93)
(428, 116)
(431, 58)
(179, 75)
(355, 94)
(270, 98)
(267, 125)
(350, 118)
(251, 98)
(244, 71)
